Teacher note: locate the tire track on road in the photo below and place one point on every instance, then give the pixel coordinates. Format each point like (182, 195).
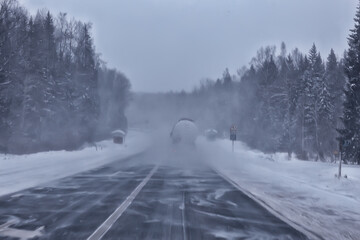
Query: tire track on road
(107, 224)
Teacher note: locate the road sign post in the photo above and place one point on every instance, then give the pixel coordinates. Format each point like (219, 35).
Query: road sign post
(342, 144)
(233, 136)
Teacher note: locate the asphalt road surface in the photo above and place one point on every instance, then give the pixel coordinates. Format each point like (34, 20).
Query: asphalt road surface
(173, 203)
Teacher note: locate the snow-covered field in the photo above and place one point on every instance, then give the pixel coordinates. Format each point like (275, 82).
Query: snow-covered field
(24, 171)
(305, 193)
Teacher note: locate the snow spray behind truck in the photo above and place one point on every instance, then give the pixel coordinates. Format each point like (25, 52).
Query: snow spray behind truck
(184, 132)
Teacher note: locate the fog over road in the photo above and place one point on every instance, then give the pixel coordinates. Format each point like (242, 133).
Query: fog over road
(188, 201)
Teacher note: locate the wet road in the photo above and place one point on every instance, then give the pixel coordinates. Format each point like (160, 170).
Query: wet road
(176, 203)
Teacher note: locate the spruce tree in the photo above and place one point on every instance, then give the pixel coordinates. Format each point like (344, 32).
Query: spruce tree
(325, 120)
(5, 83)
(227, 81)
(335, 80)
(349, 134)
(309, 129)
(283, 100)
(87, 99)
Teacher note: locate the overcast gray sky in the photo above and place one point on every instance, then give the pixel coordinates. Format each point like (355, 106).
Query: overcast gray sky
(172, 44)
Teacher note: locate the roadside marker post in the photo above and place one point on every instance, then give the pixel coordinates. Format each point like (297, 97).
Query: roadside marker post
(233, 130)
(339, 174)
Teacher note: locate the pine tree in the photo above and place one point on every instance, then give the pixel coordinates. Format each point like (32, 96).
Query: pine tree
(288, 93)
(4, 74)
(16, 22)
(351, 118)
(267, 116)
(325, 121)
(335, 81)
(49, 43)
(313, 78)
(226, 77)
(87, 101)
(32, 117)
(268, 72)
(309, 128)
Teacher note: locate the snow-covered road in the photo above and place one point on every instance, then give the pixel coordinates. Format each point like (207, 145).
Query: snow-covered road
(304, 193)
(140, 199)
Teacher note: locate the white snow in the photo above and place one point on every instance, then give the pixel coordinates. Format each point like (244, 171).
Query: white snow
(18, 172)
(118, 132)
(305, 193)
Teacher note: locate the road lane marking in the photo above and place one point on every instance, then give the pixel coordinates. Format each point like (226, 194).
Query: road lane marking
(183, 218)
(107, 224)
(118, 172)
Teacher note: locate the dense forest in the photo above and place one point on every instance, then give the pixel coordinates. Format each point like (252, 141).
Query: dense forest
(55, 91)
(284, 101)
(287, 102)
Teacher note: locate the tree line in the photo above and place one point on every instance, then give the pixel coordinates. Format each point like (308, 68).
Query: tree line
(55, 91)
(295, 103)
(284, 101)
(298, 103)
